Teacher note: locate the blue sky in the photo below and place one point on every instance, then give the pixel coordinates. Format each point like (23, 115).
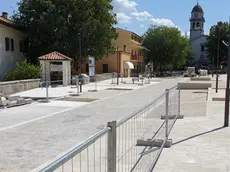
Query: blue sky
(137, 15)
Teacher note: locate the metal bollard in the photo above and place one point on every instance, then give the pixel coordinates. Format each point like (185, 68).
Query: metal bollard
(122, 79)
(47, 92)
(81, 82)
(95, 83)
(166, 113)
(77, 84)
(113, 78)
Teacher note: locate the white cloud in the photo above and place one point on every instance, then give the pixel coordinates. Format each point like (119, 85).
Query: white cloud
(124, 7)
(142, 26)
(121, 5)
(123, 18)
(141, 16)
(162, 22)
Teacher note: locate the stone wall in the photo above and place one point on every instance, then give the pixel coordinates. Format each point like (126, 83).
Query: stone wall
(12, 87)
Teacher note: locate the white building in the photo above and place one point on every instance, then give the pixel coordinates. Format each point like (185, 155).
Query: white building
(11, 44)
(197, 37)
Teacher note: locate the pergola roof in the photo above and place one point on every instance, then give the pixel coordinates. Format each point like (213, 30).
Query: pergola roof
(54, 56)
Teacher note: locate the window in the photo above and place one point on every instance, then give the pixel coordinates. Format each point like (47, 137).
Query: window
(87, 68)
(197, 24)
(12, 45)
(202, 48)
(132, 37)
(7, 44)
(193, 26)
(105, 68)
(124, 48)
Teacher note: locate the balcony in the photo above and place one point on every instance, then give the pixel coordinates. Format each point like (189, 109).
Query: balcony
(138, 58)
(134, 57)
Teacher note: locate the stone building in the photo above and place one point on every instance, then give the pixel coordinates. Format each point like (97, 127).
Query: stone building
(12, 41)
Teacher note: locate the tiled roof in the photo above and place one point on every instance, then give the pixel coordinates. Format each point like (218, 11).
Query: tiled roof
(54, 56)
(8, 23)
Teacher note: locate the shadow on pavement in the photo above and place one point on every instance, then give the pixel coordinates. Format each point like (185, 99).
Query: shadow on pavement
(207, 132)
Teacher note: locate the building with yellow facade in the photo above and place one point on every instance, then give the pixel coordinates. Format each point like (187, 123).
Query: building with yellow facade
(128, 52)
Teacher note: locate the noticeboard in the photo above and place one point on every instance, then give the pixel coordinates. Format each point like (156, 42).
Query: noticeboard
(91, 66)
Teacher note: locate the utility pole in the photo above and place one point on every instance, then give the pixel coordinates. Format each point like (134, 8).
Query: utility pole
(226, 113)
(217, 65)
(80, 62)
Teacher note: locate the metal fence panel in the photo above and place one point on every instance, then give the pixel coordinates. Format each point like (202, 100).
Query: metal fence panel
(89, 156)
(114, 149)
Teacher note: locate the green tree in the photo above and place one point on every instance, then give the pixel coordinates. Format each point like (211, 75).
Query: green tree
(166, 46)
(221, 29)
(23, 70)
(57, 25)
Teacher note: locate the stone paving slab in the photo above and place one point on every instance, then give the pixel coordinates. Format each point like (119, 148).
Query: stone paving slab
(199, 143)
(28, 146)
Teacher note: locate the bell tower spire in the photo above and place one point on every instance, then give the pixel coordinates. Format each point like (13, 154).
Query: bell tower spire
(197, 21)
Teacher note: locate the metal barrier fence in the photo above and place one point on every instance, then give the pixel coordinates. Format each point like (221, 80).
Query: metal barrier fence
(121, 146)
(76, 83)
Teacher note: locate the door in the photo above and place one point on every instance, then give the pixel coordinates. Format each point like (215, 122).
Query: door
(105, 68)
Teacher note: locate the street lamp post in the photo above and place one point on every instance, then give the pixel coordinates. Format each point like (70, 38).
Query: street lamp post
(217, 65)
(226, 113)
(80, 62)
(213, 66)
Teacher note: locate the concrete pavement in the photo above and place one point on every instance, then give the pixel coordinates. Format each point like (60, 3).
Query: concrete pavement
(200, 143)
(32, 143)
(60, 91)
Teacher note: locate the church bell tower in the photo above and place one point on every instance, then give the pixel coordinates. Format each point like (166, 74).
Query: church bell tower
(197, 21)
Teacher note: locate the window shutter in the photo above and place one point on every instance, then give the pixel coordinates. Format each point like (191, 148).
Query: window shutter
(7, 44)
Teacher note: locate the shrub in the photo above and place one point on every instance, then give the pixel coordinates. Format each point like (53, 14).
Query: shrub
(22, 71)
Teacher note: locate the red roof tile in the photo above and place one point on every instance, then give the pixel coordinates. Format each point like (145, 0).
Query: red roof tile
(54, 56)
(8, 23)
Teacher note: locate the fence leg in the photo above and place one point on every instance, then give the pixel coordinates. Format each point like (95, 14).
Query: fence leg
(47, 91)
(166, 113)
(112, 139)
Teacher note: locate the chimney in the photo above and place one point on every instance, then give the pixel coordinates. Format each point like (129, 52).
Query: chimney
(5, 15)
